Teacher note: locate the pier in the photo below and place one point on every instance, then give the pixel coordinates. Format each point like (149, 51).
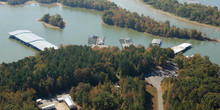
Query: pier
(29, 39)
(181, 48)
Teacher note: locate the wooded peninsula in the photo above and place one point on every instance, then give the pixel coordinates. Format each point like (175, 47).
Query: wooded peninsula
(194, 12)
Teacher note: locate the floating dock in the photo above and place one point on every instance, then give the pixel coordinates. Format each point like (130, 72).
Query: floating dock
(26, 37)
(95, 41)
(181, 48)
(156, 42)
(125, 42)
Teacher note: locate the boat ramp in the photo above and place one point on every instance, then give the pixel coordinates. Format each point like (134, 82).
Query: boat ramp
(29, 39)
(181, 48)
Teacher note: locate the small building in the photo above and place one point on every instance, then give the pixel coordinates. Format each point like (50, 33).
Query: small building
(68, 100)
(39, 101)
(156, 42)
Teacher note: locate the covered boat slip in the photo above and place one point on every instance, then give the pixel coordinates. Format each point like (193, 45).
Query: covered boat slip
(28, 38)
(181, 48)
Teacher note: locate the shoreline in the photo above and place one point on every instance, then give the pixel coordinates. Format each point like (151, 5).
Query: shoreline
(49, 25)
(175, 16)
(3, 3)
(151, 35)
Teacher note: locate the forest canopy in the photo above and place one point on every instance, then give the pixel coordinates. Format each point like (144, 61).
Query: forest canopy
(52, 71)
(197, 86)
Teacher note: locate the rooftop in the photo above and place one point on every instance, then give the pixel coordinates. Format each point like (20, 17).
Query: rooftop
(28, 37)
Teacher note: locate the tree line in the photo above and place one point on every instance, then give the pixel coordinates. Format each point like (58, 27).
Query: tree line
(55, 20)
(123, 18)
(194, 12)
(196, 87)
(52, 71)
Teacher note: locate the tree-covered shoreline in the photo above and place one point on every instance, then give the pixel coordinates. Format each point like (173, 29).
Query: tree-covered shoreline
(55, 20)
(194, 12)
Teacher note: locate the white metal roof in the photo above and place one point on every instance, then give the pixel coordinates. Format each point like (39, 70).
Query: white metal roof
(180, 47)
(28, 37)
(156, 41)
(19, 32)
(185, 45)
(43, 44)
(32, 39)
(69, 102)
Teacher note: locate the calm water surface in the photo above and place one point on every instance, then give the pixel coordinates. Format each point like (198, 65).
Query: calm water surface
(82, 23)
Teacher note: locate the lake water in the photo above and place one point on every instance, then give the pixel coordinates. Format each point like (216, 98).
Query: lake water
(82, 23)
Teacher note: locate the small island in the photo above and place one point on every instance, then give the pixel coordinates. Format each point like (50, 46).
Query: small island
(55, 21)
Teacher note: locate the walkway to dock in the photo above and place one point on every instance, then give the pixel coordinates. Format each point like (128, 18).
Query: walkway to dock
(28, 38)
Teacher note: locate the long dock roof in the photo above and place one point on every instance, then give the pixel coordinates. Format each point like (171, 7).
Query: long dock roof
(41, 45)
(29, 38)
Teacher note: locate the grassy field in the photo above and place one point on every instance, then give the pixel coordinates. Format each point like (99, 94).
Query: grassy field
(152, 93)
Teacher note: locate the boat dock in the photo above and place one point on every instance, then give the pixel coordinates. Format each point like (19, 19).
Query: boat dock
(181, 48)
(125, 42)
(29, 39)
(95, 41)
(156, 42)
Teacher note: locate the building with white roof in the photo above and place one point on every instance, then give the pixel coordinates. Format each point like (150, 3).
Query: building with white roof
(156, 42)
(28, 38)
(70, 102)
(180, 48)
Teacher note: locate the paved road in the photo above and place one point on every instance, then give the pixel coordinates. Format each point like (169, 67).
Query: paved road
(156, 81)
(156, 77)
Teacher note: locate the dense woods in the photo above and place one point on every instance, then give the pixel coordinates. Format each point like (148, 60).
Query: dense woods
(52, 71)
(197, 86)
(128, 94)
(55, 20)
(195, 12)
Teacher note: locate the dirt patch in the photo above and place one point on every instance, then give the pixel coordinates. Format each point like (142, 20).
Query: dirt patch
(61, 106)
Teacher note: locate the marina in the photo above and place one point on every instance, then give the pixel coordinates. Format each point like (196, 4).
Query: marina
(77, 31)
(181, 48)
(29, 39)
